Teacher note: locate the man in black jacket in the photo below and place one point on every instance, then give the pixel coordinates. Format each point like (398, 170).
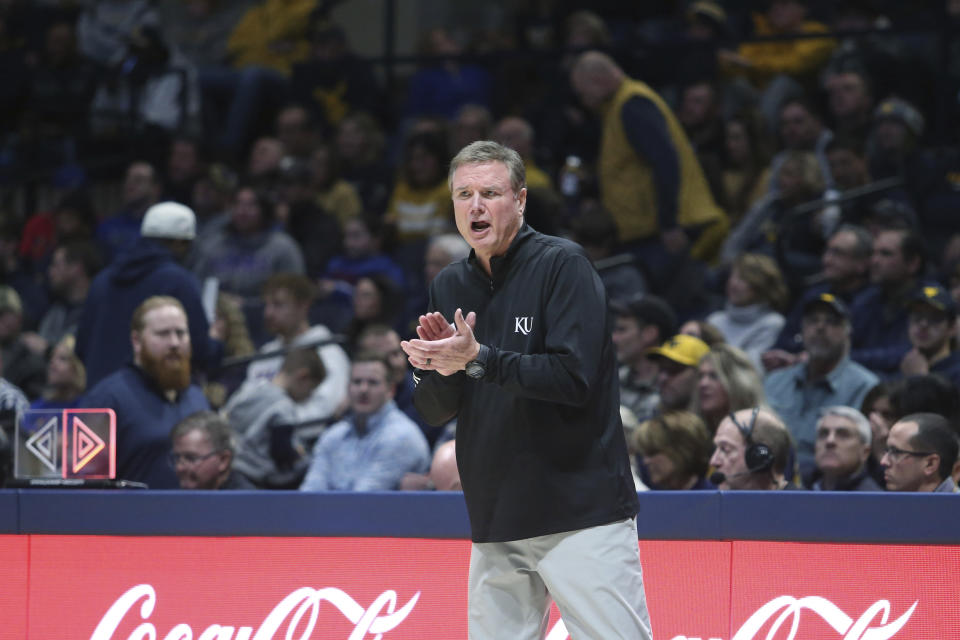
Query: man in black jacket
(530, 374)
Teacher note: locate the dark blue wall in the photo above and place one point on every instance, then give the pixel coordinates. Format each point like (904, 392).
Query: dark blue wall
(800, 516)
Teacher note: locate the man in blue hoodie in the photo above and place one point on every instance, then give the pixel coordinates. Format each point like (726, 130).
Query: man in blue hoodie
(150, 267)
(151, 394)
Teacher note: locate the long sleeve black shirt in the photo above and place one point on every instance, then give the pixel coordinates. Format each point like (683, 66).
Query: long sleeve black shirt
(540, 445)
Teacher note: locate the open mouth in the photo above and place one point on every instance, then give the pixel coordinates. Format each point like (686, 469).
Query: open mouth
(479, 225)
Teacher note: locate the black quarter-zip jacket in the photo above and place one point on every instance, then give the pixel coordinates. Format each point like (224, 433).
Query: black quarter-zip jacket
(540, 445)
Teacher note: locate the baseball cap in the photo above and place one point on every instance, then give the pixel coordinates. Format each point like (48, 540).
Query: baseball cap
(708, 10)
(938, 298)
(222, 177)
(10, 299)
(828, 300)
(900, 109)
(649, 309)
(682, 349)
(170, 220)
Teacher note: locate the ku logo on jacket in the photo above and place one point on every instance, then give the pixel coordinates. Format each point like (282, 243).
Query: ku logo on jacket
(523, 324)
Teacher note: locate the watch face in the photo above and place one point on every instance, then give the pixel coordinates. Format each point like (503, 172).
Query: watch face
(475, 370)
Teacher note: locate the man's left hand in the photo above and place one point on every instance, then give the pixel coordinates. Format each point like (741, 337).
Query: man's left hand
(35, 342)
(914, 364)
(675, 240)
(449, 354)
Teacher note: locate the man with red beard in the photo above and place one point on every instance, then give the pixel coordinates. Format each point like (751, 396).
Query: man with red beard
(151, 394)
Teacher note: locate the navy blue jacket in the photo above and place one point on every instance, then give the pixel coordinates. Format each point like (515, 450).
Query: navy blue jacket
(540, 445)
(949, 368)
(879, 337)
(145, 269)
(144, 420)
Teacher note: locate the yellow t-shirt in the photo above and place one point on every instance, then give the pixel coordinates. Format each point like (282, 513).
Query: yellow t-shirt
(420, 213)
(797, 58)
(272, 34)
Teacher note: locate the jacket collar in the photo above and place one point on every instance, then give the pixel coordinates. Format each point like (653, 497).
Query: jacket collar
(846, 483)
(831, 380)
(499, 264)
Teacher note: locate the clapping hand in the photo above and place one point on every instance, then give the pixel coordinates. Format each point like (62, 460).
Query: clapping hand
(443, 347)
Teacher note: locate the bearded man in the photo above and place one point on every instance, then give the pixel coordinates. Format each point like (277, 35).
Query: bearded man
(151, 394)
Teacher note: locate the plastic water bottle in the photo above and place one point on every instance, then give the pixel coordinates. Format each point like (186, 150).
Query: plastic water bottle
(570, 177)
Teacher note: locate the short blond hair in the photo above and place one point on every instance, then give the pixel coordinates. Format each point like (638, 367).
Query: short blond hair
(765, 279)
(148, 305)
(488, 151)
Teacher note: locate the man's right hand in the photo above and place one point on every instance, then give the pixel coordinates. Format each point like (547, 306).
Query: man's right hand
(449, 343)
(778, 359)
(433, 326)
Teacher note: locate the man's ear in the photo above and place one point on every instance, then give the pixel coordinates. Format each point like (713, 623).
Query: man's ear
(224, 460)
(651, 334)
(931, 465)
(913, 265)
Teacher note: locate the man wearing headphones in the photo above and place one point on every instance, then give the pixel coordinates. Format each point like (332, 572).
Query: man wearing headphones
(752, 450)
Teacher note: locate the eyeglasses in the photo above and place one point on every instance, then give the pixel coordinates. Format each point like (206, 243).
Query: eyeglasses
(189, 459)
(896, 454)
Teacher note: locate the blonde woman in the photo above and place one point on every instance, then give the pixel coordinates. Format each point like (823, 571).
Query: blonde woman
(727, 381)
(756, 296)
(66, 377)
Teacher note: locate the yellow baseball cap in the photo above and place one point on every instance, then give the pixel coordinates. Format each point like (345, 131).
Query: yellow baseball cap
(681, 348)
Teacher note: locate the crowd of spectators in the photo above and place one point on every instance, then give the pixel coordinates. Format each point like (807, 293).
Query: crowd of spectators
(768, 190)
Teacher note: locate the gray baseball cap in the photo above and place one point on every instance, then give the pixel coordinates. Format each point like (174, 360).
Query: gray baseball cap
(169, 220)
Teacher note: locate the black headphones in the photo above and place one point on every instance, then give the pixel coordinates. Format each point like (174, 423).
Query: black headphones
(758, 456)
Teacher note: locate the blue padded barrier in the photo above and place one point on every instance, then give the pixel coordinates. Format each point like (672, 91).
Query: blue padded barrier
(925, 518)
(681, 515)
(9, 512)
(244, 513)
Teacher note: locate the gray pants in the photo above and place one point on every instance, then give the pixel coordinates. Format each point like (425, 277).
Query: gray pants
(592, 574)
